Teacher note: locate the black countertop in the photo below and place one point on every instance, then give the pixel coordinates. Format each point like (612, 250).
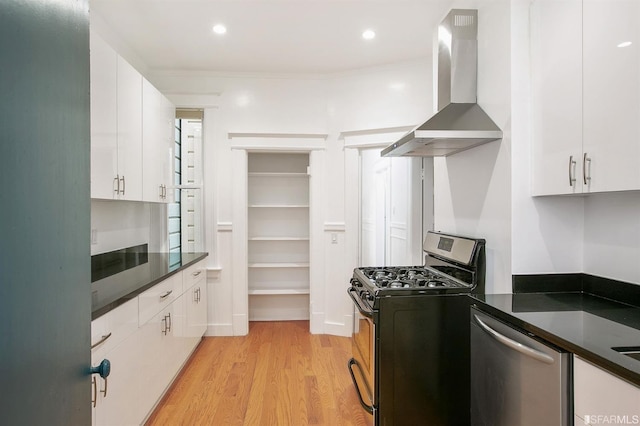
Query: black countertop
(111, 292)
(578, 322)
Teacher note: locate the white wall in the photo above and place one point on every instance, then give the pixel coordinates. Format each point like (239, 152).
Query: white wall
(473, 188)
(612, 236)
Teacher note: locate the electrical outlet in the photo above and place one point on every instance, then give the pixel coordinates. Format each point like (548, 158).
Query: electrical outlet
(94, 237)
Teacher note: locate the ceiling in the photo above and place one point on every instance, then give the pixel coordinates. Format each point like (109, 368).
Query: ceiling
(271, 36)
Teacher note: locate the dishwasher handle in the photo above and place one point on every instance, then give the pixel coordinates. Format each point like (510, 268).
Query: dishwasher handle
(516, 346)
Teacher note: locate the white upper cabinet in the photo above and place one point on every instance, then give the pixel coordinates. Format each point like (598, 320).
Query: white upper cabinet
(104, 121)
(132, 129)
(585, 73)
(158, 128)
(116, 125)
(556, 84)
(129, 131)
(611, 76)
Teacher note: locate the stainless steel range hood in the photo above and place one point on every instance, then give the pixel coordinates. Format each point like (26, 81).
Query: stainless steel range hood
(460, 123)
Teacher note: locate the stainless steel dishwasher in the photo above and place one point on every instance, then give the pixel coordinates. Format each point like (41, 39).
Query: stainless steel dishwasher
(516, 379)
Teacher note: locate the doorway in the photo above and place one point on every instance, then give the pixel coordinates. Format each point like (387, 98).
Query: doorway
(393, 208)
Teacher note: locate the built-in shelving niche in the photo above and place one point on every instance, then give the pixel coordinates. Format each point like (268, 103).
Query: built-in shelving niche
(278, 234)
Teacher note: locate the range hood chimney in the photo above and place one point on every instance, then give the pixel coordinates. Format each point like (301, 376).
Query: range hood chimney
(460, 123)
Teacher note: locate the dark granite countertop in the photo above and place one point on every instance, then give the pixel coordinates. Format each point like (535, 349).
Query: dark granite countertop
(578, 322)
(112, 291)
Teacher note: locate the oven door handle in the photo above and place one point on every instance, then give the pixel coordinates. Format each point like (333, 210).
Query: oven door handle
(364, 310)
(366, 406)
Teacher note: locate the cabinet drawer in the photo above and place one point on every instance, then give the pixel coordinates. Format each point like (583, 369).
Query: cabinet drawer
(158, 297)
(112, 328)
(193, 274)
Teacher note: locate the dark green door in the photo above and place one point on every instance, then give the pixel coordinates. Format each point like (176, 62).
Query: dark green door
(45, 294)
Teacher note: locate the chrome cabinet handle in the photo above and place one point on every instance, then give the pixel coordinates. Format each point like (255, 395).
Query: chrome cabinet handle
(517, 346)
(94, 394)
(163, 324)
(123, 185)
(195, 296)
(101, 341)
(116, 184)
(168, 322)
(104, 391)
(166, 294)
(572, 168)
(586, 177)
(161, 191)
(195, 274)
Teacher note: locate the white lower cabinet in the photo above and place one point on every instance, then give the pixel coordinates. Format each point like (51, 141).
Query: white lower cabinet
(158, 349)
(602, 398)
(151, 338)
(196, 303)
(116, 393)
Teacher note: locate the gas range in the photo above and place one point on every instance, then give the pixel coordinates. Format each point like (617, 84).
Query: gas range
(453, 264)
(412, 323)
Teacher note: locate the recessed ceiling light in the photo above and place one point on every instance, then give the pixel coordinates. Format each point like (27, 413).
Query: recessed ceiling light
(368, 34)
(625, 44)
(219, 29)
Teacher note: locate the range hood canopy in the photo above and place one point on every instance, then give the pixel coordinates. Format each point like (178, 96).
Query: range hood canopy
(460, 123)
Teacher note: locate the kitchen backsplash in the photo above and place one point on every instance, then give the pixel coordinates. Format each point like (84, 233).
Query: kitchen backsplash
(119, 224)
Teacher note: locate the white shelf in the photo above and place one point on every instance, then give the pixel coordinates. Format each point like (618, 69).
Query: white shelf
(278, 292)
(280, 265)
(279, 206)
(278, 238)
(278, 174)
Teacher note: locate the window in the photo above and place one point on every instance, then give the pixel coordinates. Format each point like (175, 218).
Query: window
(185, 213)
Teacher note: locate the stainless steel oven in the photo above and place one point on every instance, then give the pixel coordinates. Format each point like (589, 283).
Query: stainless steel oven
(363, 361)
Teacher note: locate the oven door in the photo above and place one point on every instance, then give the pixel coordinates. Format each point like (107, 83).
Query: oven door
(361, 366)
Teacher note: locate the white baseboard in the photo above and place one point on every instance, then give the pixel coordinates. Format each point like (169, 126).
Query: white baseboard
(339, 329)
(219, 330)
(240, 325)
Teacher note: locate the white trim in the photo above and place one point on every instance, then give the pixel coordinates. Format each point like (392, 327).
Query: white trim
(339, 329)
(214, 273)
(334, 227)
(219, 330)
(199, 100)
(269, 135)
(240, 324)
(225, 227)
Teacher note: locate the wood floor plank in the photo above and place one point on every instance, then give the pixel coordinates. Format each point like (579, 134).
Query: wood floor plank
(279, 374)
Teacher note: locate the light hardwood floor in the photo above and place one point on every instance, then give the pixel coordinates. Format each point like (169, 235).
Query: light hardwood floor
(279, 374)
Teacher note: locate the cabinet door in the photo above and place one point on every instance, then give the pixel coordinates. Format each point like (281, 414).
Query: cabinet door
(612, 94)
(104, 150)
(598, 393)
(157, 141)
(118, 395)
(167, 158)
(556, 90)
(196, 299)
(157, 354)
(129, 131)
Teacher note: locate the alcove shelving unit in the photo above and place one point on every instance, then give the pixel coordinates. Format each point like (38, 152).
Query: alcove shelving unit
(278, 236)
